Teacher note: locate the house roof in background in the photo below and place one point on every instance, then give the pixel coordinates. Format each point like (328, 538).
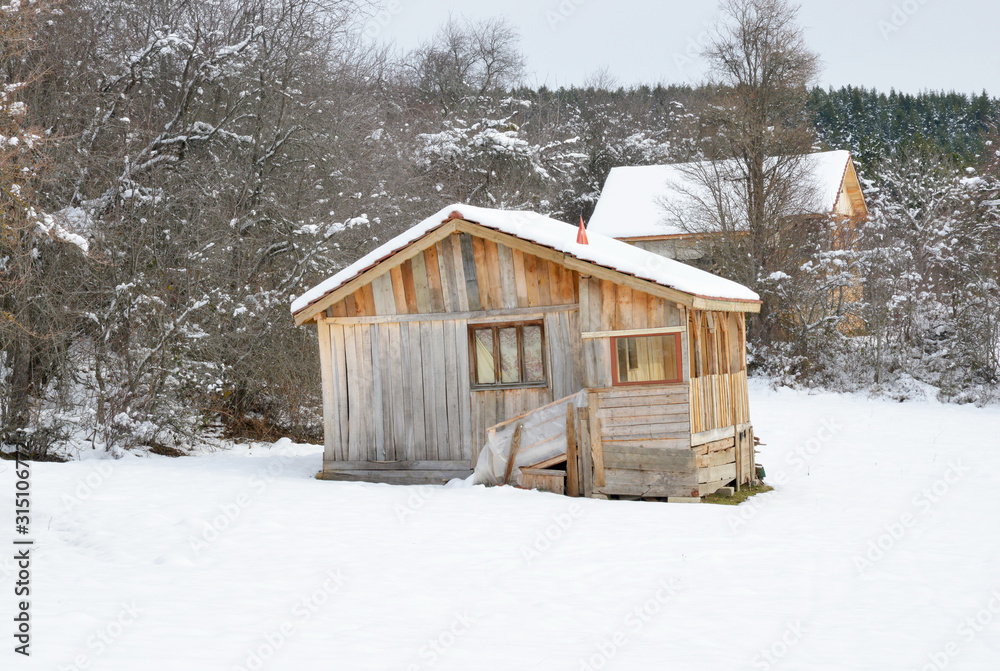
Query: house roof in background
(636, 200)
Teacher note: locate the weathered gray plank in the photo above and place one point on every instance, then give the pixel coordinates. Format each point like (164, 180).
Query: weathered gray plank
(440, 377)
(470, 449)
(354, 450)
(647, 414)
(432, 402)
(367, 417)
(406, 402)
(412, 333)
(385, 304)
(378, 401)
(712, 473)
(656, 443)
(396, 465)
(648, 459)
(403, 477)
(658, 491)
(469, 270)
(331, 434)
(453, 388)
(341, 406)
(575, 350)
(397, 375)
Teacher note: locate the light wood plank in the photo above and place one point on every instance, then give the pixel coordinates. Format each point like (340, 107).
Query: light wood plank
(482, 273)
(494, 283)
(483, 316)
(597, 453)
(421, 284)
(530, 278)
(572, 457)
(382, 294)
(446, 269)
(384, 266)
(508, 281)
(398, 292)
(633, 332)
(434, 281)
(331, 434)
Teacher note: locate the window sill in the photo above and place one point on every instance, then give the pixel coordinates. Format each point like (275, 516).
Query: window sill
(507, 387)
(654, 383)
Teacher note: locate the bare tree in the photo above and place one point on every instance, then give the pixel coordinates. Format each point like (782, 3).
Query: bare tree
(468, 58)
(40, 266)
(748, 195)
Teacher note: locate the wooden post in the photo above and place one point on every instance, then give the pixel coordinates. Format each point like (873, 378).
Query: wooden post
(740, 475)
(515, 445)
(584, 463)
(596, 449)
(572, 456)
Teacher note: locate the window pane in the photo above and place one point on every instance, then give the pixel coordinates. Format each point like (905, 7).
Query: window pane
(533, 370)
(485, 366)
(510, 369)
(647, 359)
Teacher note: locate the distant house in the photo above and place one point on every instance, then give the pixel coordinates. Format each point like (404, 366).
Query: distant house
(646, 205)
(478, 324)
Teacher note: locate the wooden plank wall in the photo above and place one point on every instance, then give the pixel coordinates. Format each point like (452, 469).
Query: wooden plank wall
(605, 306)
(399, 392)
(716, 464)
(718, 370)
(402, 392)
(719, 398)
(647, 415)
(718, 401)
(646, 439)
(463, 273)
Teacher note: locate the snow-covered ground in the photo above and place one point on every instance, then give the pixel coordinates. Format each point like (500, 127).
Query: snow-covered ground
(878, 549)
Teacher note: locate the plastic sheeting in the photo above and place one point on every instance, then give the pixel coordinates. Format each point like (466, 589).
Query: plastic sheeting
(543, 436)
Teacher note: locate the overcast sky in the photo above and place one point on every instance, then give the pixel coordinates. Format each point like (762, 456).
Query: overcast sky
(909, 45)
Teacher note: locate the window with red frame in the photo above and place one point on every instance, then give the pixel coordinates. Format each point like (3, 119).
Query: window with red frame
(646, 359)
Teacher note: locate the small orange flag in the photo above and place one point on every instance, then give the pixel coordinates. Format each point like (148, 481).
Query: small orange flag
(581, 235)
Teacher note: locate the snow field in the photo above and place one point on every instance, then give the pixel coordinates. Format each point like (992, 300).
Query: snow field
(878, 549)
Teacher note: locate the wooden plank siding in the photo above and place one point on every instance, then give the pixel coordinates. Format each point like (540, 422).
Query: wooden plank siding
(606, 306)
(464, 273)
(717, 359)
(396, 370)
(719, 398)
(646, 441)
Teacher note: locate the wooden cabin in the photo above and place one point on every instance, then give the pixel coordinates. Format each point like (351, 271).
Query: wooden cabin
(472, 321)
(647, 205)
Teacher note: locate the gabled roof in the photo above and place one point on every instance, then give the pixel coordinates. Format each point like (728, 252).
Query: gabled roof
(622, 259)
(638, 201)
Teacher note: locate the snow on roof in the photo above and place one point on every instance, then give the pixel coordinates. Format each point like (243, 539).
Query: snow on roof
(602, 250)
(637, 200)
